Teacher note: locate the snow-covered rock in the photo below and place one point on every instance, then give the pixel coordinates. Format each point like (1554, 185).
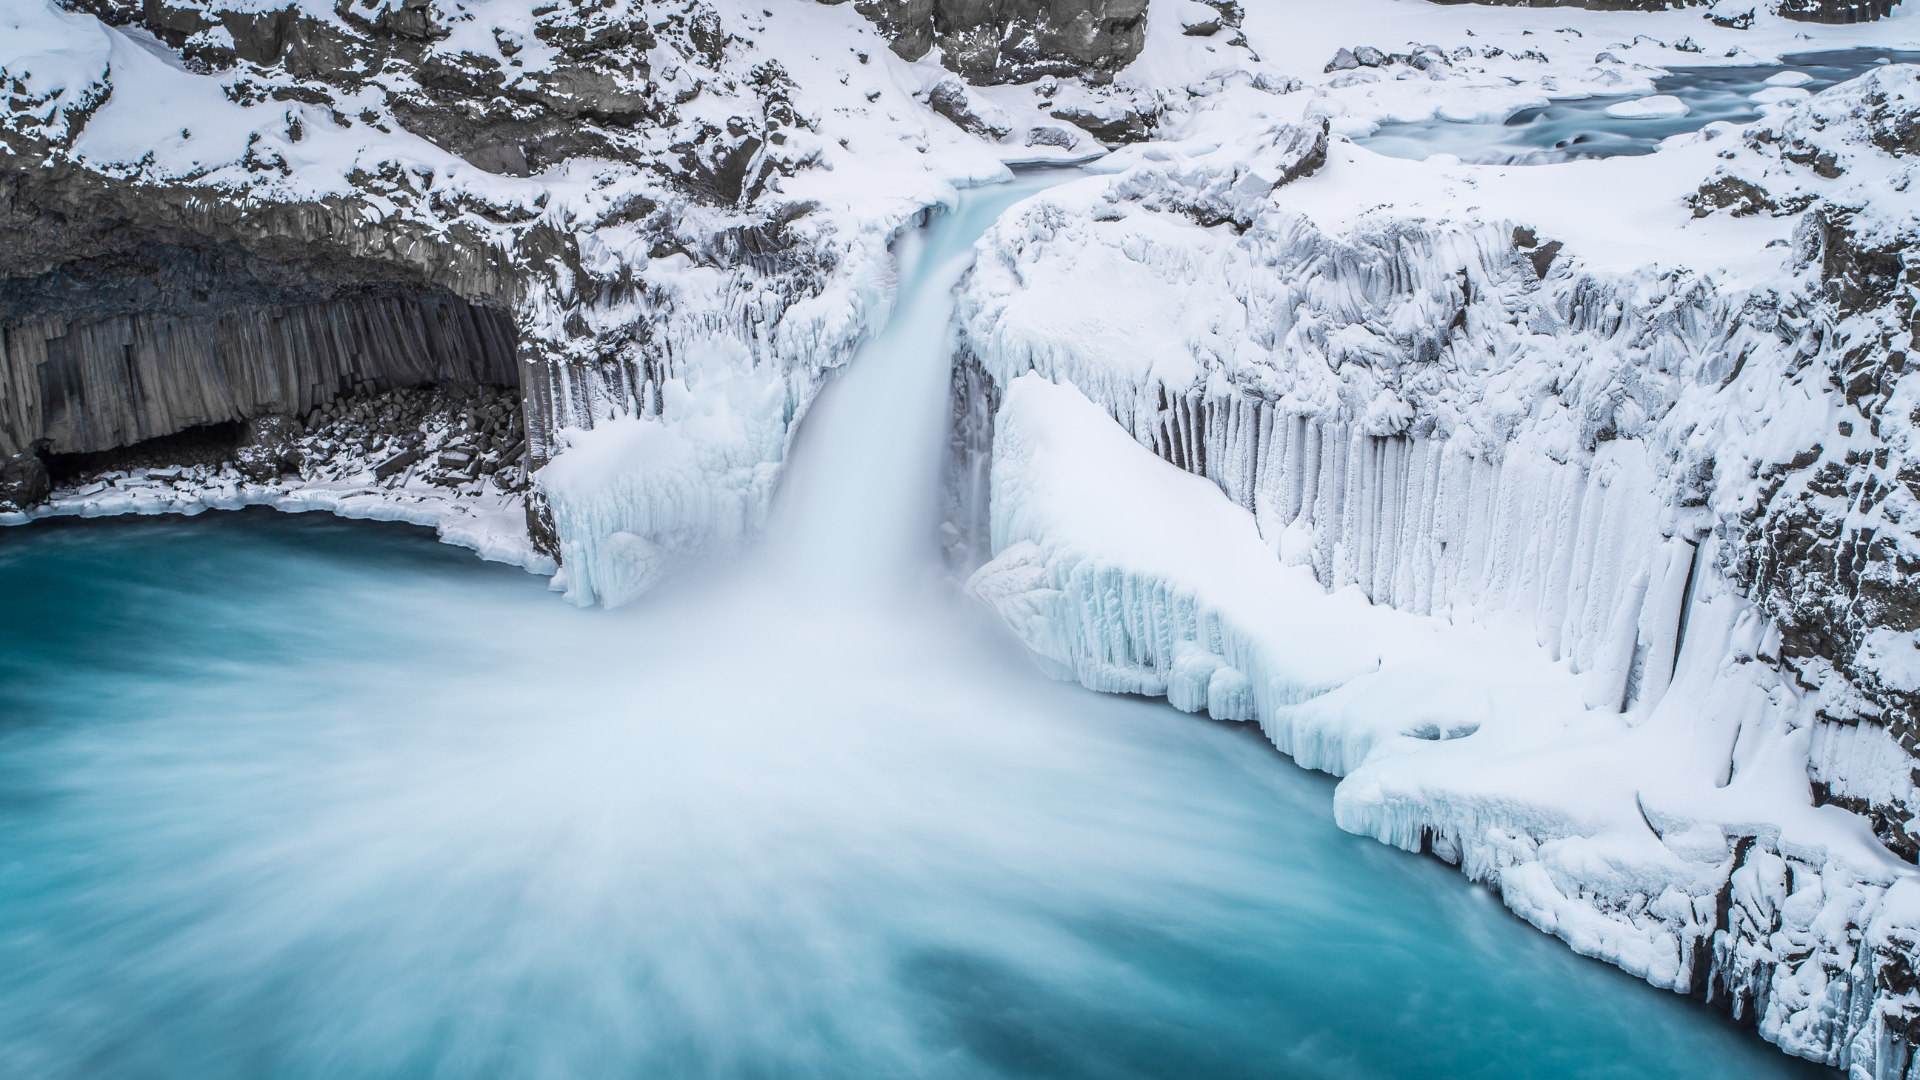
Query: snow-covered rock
(646, 213)
(1656, 107)
(1564, 416)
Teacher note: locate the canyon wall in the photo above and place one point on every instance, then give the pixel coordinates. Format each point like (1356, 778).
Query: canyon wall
(1685, 487)
(624, 211)
(1014, 40)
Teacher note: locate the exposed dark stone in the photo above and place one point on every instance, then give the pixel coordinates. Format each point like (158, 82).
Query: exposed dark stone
(987, 43)
(23, 482)
(1052, 136)
(1836, 11)
(1540, 255)
(396, 464)
(950, 99)
(541, 532)
(267, 448)
(113, 351)
(1741, 198)
(1857, 275)
(1121, 127)
(210, 445)
(1202, 28)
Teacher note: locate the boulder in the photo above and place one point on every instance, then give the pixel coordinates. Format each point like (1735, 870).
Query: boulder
(1199, 20)
(267, 448)
(975, 116)
(1052, 136)
(23, 482)
(395, 464)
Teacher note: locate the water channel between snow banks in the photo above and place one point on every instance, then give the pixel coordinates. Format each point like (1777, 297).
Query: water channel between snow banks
(1584, 128)
(295, 797)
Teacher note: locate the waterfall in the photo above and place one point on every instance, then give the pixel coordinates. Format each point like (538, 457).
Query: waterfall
(857, 509)
(857, 504)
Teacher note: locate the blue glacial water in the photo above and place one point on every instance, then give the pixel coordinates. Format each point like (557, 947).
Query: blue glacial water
(285, 796)
(290, 797)
(1566, 130)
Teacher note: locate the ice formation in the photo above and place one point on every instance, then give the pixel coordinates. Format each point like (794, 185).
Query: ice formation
(1557, 508)
(681, 213)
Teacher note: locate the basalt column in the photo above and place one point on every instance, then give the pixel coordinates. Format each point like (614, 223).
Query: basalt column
(108, 353)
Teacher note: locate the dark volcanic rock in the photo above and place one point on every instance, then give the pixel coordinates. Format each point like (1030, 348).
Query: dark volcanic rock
(1836, 11)
(396, 464)
(139, 303)
(950, 99)
(1127, 127)
(267, 448)
(23, 482)
(1052, 136)
(1015, 40)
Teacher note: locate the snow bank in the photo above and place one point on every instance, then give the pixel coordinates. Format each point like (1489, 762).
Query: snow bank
(638, 302)
(1496, 463)
(1657, 107)
(1617, 831)
(489, 522)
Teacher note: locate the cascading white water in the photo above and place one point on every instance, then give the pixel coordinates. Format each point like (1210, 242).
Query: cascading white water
(856, 510)
(372, 809)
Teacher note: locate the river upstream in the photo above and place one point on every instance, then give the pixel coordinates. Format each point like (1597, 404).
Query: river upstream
(293, 797)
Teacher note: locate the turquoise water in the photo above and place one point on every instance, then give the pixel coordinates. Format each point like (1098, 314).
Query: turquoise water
(286, 796)
(1567, 130)
(290, 797)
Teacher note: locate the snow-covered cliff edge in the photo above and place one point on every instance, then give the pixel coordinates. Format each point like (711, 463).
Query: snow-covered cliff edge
(1601, 468)
(653, 214)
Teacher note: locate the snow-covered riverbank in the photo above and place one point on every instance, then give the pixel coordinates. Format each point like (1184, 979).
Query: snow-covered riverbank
(1574, 404)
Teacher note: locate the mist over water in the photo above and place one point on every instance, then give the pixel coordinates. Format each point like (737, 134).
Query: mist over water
(293, 797)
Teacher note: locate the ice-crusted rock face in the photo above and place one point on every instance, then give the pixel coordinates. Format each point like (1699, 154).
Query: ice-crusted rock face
(1014, 40)
(1826, 543)
(217, 211)
(1660, 429)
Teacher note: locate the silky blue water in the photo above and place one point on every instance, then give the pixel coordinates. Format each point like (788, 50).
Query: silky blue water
(285, 796)
(290, 797)
(1566, 130)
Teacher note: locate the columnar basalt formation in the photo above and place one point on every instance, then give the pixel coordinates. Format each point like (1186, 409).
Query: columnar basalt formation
(216, 212)
(1676, 481)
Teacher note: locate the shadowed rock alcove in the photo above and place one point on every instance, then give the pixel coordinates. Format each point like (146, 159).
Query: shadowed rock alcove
(160, 338)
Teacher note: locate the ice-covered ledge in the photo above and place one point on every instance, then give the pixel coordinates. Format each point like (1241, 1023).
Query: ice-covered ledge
(1640, 421)
(487, 521)
(1676, 839)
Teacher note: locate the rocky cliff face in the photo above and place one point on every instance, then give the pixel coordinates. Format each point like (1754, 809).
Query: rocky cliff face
(1685, 480)
(215, 211)
(378, 274)
(995, 41)
(1827, 545)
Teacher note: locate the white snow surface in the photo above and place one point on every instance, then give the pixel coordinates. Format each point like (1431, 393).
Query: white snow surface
(1342, 460)
(696, 450)
(1657, 107)
(1454, 424)
(489, 522)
